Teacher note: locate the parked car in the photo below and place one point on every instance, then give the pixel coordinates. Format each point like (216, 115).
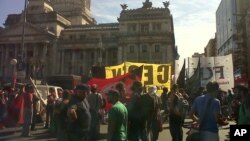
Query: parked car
(43, 90)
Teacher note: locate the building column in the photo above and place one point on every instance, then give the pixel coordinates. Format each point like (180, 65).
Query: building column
(151, 52)
(124, 53)
(45, 59)
(62, 62)
(73, 66)
(6, 61)
(120, 55)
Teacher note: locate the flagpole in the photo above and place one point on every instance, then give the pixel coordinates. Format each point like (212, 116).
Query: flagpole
(188, 68)
(22, 55)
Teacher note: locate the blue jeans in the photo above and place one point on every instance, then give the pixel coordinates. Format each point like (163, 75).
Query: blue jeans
(28, 113)
(209, 136)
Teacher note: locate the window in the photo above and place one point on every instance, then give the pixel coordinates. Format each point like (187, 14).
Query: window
(11, 54)
(81, 56)
(92, 55)
(114, 55)
(82, 36)
(145, 27)
(157, 48)
(156, 26)
(131, 27)
(30, 53)
(72, 37)
(131, 49)
(144, 48)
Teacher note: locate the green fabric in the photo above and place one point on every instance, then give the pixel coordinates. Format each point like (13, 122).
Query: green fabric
(118, 115)
(244, 115)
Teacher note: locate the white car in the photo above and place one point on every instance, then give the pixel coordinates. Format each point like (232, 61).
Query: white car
(43, 91)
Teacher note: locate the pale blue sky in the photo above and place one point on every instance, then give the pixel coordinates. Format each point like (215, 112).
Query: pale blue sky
(194, 20)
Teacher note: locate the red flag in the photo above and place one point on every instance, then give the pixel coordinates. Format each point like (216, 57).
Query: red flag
(19, 105)
(127, 79)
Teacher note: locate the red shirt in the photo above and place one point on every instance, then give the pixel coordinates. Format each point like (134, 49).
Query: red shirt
(28, 100)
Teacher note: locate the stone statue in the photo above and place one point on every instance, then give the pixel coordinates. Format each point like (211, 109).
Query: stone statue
(166, 4)
(147, 4)
(124, 6)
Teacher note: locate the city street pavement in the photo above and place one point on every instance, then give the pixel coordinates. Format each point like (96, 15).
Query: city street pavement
(13, 134)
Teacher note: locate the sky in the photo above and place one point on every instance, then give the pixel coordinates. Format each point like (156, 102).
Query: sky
(194, 20)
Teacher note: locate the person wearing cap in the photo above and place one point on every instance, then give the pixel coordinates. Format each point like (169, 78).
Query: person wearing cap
(79, 114)
(95, 103)
(28, 109)
(118, 118)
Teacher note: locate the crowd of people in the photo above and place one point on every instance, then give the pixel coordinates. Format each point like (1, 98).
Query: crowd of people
(77, 115)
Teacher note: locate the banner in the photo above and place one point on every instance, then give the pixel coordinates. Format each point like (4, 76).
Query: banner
(153, 74)
(104, 85)
(218, 69)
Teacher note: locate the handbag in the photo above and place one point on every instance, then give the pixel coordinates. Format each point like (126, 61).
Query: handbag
(159, 121)
(194, 133)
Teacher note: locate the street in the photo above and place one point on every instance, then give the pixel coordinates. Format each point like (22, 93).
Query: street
(13, 134)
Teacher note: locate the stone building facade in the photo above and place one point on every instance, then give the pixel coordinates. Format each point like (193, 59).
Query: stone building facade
(210, 49)
(232, 35)
(61, 37)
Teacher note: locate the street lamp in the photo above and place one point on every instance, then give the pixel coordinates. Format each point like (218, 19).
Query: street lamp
(13, 63)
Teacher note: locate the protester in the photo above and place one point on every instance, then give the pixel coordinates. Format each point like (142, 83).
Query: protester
(137, 113)
(164, 100)
(175, 115)
(28, 109)
(208, 112)
(79, 114)
(156, 120)
(35, 114)
(49, 108)
(3, 109)
(121, 89)
(62, 118)
(118, 118)
(244, 109)
(95, 102)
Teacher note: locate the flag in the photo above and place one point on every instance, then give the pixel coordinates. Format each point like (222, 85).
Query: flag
(194, 82)
(181, 78)
(104, 85)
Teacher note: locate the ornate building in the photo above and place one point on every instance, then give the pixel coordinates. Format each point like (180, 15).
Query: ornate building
(61, 37)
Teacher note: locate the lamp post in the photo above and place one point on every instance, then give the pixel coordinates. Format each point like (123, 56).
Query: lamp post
(13, 63)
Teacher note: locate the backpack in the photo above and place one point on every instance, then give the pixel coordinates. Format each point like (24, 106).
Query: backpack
(182, 105)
